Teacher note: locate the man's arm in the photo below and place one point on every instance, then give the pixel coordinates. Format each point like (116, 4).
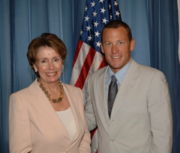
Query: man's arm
(89, 112)
(159, 107)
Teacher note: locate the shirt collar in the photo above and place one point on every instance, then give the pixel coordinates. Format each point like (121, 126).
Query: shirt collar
(120, 74)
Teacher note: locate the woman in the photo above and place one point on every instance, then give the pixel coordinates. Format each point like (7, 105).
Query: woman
(48, 116)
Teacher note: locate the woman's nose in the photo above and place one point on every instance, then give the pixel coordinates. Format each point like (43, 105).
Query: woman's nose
(51, 65)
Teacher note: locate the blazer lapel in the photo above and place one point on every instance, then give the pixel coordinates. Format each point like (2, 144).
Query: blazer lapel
(125, 87)
(101, 101)
(50, 121)
(74, 111)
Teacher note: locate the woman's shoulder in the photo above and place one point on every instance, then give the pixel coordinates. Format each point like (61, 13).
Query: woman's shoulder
(25, 91)
(73, 91)
(71, 87)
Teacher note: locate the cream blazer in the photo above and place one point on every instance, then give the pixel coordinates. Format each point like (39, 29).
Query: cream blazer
(34, 126)
(141, 118)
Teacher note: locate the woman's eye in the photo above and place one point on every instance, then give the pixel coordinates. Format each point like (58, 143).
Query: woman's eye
(57, 59)
(43, 61)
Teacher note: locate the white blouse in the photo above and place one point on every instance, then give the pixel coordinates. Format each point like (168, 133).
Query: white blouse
(67, 118)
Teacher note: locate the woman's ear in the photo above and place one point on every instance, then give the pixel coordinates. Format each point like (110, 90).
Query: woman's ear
(35, 68)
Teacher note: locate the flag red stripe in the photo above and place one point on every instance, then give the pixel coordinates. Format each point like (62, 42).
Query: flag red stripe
(93, 132)
(103, 63)
(85, 68)
(79, 45)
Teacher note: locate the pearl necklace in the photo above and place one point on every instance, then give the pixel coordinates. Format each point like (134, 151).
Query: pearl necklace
(57, 100)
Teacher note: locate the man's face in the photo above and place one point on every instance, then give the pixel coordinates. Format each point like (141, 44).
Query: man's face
(117, 47)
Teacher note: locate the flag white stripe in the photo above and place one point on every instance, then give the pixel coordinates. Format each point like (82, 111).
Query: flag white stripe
(96, 62)
(79, 62)
(94, 67)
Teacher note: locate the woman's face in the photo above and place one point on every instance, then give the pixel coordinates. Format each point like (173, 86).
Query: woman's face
(48, 64)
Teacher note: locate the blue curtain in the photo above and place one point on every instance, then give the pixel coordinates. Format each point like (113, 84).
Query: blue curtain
(21, 21)
(154, 26)
(136, 15)
(163, 27)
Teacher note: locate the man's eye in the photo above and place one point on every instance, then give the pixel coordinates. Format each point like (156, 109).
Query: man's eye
(121, 42)
(107, 43)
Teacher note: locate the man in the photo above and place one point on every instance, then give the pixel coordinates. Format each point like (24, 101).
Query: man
(139, 120)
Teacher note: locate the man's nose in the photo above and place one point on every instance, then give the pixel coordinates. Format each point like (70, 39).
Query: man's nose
(114, 48)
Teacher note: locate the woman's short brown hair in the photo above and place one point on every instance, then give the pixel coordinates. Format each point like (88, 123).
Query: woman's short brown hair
(49, 40)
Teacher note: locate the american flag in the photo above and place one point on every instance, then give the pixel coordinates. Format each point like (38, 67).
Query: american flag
(88, 57)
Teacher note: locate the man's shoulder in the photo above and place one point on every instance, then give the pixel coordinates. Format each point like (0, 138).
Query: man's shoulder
(99, 74)
(100, 71)
(148, 70)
